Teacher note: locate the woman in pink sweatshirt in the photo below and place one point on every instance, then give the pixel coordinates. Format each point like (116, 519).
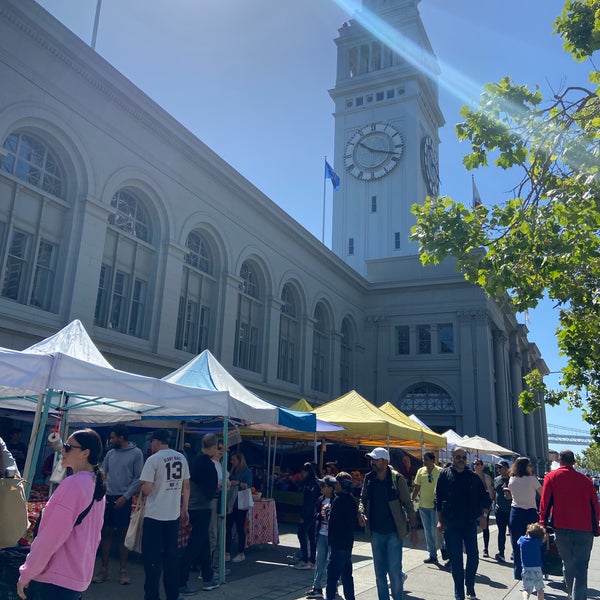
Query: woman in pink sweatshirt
(61, 561)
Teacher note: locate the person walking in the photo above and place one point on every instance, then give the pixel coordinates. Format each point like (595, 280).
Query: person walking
(501, 507)
(570, 503)
(342, 518)
(424, 489)
(203, 486)
(165, 480)
(462, 501)
(523, 487)
(306, 527)
(530, 546)
(322, 507)
(240, 476)
(60, 563)
(386, 511)
(122, 464)
(479, 469)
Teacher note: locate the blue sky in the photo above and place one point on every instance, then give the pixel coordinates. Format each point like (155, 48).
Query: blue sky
(251, 80)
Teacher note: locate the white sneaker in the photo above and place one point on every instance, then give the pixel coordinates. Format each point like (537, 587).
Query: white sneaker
(239, 558)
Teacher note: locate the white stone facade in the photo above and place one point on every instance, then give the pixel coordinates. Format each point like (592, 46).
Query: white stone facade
(113, 213)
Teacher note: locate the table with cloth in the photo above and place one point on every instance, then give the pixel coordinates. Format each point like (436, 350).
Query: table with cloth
(262, 523)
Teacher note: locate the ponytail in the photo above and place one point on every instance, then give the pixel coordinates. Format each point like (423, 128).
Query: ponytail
(100, 483)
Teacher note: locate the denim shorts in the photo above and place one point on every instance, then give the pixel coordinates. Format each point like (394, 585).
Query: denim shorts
(533, 579)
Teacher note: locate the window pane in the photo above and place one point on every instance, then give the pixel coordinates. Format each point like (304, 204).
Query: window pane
(402, 339)
(41, 293)
(102, 296)
(446, 338)
(424, 339)
(15, 281)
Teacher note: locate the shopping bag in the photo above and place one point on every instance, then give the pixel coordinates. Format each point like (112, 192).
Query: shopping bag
(133, 537)
(13, 511)
(245, 499)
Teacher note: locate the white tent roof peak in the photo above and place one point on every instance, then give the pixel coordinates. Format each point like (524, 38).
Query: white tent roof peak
(72, 340)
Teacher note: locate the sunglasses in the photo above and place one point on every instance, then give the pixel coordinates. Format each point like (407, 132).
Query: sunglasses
(430, 477)
(460, 456)
(69, 447)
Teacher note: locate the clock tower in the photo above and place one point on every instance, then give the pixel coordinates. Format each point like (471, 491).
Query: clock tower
(386, 130)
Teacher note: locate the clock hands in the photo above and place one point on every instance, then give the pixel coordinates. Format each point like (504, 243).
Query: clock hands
(363, 145)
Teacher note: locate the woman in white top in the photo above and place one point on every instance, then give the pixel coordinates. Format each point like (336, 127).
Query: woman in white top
(524, 488)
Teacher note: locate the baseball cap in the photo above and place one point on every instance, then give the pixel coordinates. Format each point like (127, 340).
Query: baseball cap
(162, 435)
(344, 479)
(503, 463)
(379, 453)
(328, 480)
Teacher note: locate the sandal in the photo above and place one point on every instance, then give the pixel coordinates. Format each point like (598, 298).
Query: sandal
(123, 577)
(101, 576)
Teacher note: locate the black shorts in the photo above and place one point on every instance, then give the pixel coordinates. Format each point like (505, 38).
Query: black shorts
(116, 517)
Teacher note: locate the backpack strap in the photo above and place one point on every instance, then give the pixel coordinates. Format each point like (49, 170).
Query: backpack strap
(84, 513)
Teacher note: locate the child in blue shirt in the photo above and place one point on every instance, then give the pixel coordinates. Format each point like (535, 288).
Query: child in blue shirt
(531, 558)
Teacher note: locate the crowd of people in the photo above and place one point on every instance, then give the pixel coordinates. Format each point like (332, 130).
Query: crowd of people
(91, 509)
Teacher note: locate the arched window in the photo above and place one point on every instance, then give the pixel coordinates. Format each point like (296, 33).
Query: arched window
(426, 397)
(123, 301)
(250, 319)
(289, 336)
(130, 215)
(198, 288)
(321, 350)
(28, 158)
(346, 357)
(32, 225)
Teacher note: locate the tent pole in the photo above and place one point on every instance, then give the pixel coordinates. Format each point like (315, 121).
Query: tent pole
(222, 513)
(315, 449)
(32, 440)
(30, 466)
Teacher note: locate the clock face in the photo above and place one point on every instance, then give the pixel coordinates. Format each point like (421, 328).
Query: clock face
(429, 163)
(373, 151)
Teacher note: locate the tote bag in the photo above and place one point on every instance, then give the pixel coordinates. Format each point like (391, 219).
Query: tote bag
(13, 511)
(245, 501)
(133, 537)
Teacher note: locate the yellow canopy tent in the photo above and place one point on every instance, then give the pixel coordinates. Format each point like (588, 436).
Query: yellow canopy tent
(365, 424)
(430, 438)
(302, 405)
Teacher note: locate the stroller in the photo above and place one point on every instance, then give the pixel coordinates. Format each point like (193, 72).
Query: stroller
(551, 560)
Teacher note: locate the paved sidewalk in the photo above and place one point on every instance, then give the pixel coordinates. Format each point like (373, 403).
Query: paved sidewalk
(267, 575)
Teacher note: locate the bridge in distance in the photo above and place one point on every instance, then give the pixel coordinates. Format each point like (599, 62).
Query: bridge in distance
(563, 437)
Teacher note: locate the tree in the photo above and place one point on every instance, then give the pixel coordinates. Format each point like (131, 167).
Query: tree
(590, 458)
(546, 239)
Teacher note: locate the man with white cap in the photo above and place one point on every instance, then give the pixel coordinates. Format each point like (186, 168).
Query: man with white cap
(387, 512)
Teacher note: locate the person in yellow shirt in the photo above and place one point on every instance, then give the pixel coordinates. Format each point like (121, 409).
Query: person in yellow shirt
(424, 489)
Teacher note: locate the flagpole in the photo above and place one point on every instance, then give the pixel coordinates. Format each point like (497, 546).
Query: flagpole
(96, 21)
(324, 186)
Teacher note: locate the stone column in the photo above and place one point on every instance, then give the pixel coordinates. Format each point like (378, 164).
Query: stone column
(271, 353)
(503, 426)
(516, 388)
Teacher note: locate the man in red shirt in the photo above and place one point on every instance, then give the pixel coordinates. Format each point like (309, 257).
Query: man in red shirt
(570, 505)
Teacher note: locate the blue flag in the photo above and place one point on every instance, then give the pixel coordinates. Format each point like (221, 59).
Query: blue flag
(331, 174)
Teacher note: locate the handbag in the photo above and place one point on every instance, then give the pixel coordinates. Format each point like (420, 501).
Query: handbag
(13, 509)
(244, 499)
(133, 537)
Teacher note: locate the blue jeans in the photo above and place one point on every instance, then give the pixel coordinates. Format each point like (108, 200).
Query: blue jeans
(502, 524)
(159, 553)
(322, 554)
(387, 560)
(429, 520)
(518, 521)
(340, 566)
(575, 548)
(458, 533)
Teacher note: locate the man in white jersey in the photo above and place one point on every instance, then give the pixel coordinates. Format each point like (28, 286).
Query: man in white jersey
(165, 481)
